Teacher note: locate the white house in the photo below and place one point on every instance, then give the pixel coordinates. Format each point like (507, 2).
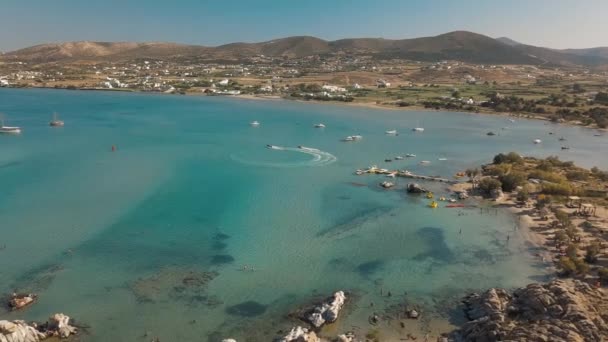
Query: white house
(224, 82)
(267, 88)
(357, 86)
(333, 89)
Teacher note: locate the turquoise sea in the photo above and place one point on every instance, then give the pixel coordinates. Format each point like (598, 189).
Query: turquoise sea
(194, 231)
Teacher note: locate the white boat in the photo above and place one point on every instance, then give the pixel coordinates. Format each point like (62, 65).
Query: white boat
(56, 122)
(424, 162)
(392, 174)
(357, 137)
(418, 129)
(319, 125)
(410, 155)
(254, 124)
(442, 159)
(359, 172)
(353, 138)
(398, 158)
(391, 132)
(511, 120)
(8, 129)
(537, 141)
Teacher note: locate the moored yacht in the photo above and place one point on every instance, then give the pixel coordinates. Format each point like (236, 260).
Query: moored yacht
(254, 124)
(56, 122)
(391, 132)
(319, 125)
(9, 129)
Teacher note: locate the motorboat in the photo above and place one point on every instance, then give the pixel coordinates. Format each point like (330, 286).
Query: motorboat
(9, 129)
(442, 159)
(562, 139)
(273, 147)
(319, 125)
(410, 155)
(565, 148)
(537, 141)
(352, 138)
(398, 158)
(491, 133)
(391, 132)
(418, 129)
(424, 162)
(388, 160)
(56, 122)
(254, 124)
(597, 135)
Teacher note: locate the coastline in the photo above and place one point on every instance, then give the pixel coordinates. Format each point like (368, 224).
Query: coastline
(370, 105)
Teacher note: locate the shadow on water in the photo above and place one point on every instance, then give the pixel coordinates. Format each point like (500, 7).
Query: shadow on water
(438, 250)
(220, 259)
(247, 309)
(367, 269)
(355, 220)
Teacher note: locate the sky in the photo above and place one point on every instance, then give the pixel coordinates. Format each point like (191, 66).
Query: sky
(549, 23)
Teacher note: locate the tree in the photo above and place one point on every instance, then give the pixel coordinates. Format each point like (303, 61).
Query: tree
(572, 251)
(489, 185)
(561, 237)
(577, 88)
(456, 94)
(592, 252)
(601, 98)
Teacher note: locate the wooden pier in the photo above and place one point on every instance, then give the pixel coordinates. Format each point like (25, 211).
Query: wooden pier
(404, 174)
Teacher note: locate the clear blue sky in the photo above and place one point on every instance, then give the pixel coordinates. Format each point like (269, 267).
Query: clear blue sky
(552, 23)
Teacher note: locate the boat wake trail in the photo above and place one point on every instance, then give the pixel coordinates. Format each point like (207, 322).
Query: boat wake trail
(319, 158)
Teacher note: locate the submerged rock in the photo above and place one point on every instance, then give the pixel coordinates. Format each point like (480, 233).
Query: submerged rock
(560, 311)
(327, 311)
(299, 334)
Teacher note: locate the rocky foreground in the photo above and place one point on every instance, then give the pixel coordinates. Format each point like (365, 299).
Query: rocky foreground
(58, 325)
(562, 310)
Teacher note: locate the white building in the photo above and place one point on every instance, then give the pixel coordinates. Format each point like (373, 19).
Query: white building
(333, 89)
(224, 82)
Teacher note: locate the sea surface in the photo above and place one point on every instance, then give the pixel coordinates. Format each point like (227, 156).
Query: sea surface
(193, 230)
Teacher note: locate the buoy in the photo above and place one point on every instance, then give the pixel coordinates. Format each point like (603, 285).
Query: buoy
(113, 148)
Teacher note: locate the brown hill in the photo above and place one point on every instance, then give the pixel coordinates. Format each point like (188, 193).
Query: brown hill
(458, 45)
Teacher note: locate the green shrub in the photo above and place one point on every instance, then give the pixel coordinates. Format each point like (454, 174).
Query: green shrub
(510, 158)
(567, 266)
(592, 252)
(577, 175)
(512, 180)
(523, 195)
(603, 274)
(488, 185)
(562, 217)
(562, 189)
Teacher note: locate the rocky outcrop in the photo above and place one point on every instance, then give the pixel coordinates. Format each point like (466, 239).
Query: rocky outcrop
(560, 311)
(327, 311)
(415, 188)
(58, 325)
(299, 334)
(19, 331)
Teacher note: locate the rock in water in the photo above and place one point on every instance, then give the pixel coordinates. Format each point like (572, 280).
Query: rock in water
(560, 311)
(415, 188)
(299, 334)
(19, 301)
(59, 325)
(327, 312)
(19, 331)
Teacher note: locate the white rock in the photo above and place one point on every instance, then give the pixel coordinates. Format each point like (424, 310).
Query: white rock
(60, 323)
(299, 334)
(229, 340)
(328, 311)
(19, 331)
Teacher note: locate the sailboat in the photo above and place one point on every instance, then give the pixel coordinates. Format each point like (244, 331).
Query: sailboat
(56, 122)
(418, 128)
(8, 129)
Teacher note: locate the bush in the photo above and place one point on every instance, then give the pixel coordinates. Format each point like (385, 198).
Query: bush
(603, 274)
(567, 266)
(489, 185)
(557, 189)
(561, 237)
(498, 170)
(571, 232)
(523, 195)
(510, 158)
(547, 176)
(512, 180)
(562, 217)
(581, 266)
(578, 175)
(572, 251)
(592, 251)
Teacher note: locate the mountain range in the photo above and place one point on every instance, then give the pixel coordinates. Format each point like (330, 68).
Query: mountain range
(458, 45)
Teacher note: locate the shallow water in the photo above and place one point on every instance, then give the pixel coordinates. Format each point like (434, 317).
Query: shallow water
(151, 240)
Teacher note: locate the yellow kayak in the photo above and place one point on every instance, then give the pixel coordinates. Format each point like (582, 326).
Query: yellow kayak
(433, 204)
(429, 195)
